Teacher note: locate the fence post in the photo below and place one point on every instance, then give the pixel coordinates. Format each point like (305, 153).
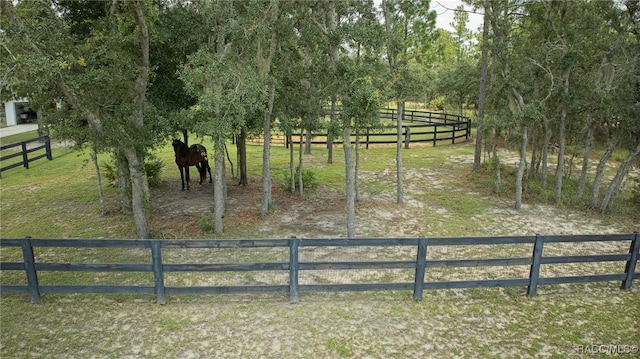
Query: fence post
(293, 270)
(421, 266)
(630, 267)
(367, 138)
(47, 147)
(435, 133)
(534, 273)
(468, 129)
(30, 267)
(156, 256)
(25, 157)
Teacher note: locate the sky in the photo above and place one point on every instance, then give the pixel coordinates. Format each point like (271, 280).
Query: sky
(444, 9)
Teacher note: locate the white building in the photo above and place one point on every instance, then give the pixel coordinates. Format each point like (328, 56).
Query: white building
(18, 112)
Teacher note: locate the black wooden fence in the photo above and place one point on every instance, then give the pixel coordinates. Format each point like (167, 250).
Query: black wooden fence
(419, 126)
(294, 266)
(24, 152)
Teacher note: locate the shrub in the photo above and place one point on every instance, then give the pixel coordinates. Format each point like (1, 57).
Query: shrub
(309, 180)
(152, 166)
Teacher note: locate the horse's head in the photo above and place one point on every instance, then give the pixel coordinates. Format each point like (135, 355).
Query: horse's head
(178, 146)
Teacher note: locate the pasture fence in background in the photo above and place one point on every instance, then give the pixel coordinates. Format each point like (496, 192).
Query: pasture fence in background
(299, 263)
(420, 127)
(24, 152)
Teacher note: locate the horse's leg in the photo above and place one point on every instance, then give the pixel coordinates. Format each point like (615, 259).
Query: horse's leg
(199, 171)
(181, 176)
(186, 168)
(209, 169)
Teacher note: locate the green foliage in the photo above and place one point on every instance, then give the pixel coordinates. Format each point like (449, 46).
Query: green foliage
(309, 179)
(152, 166)
(437, 103)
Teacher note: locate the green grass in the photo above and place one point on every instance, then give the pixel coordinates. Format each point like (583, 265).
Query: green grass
(58, 198)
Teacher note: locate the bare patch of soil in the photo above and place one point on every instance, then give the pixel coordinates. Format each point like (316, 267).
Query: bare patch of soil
(320, 213)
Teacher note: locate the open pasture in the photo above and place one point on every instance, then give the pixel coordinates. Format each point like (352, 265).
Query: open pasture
(442, 199)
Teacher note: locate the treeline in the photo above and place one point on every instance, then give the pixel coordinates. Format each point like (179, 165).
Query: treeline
(125, 76)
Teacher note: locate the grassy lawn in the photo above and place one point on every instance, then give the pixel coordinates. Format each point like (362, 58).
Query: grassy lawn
(58, 199)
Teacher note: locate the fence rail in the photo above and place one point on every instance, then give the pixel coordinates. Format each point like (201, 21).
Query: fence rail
(420, 127)
(25, 151)
(294, 266)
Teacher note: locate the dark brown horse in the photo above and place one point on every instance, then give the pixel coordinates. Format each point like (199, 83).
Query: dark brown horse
(196, 155)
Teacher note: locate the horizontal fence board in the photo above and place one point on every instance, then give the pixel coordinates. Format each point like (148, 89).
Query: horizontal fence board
(493, 262)
(14, 288)
(11, 242)
(228, 289)
(588, 238)
(354, 287)
(464, 241)
(19, 144)
(586, 259)
(10, 156)
(94, 267)
(91, 243)
(224, 267)
(12, 266)
(227, 243)
(358, 242)
(582, 279)
(97, 289)
(357, 265)
(487, 283)
(19, 164)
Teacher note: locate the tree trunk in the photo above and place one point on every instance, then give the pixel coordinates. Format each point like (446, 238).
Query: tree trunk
(611, 145)
(350, 195)
(332, 119)
(242, 157)
(140, 204)
(124, 183)
(218, 188)
(482, 96)
(562, 145)
(614, 186)
(292, 170)
(94, 159)
(496, 160)
(307, 142)
(585, 158)
(266, 155)
(266, 149)
(521, 167)
(545, 150)
(357, 167)
(300, 183)
(400, 190)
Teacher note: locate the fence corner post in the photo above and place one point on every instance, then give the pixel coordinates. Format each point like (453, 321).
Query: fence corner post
(158, 276)
(534, 273)
(630, 267)
(293, 269)
(421, 266)
(30, 268)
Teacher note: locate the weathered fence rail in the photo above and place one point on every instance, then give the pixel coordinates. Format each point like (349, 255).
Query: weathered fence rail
(420, 264)
(24, 152)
